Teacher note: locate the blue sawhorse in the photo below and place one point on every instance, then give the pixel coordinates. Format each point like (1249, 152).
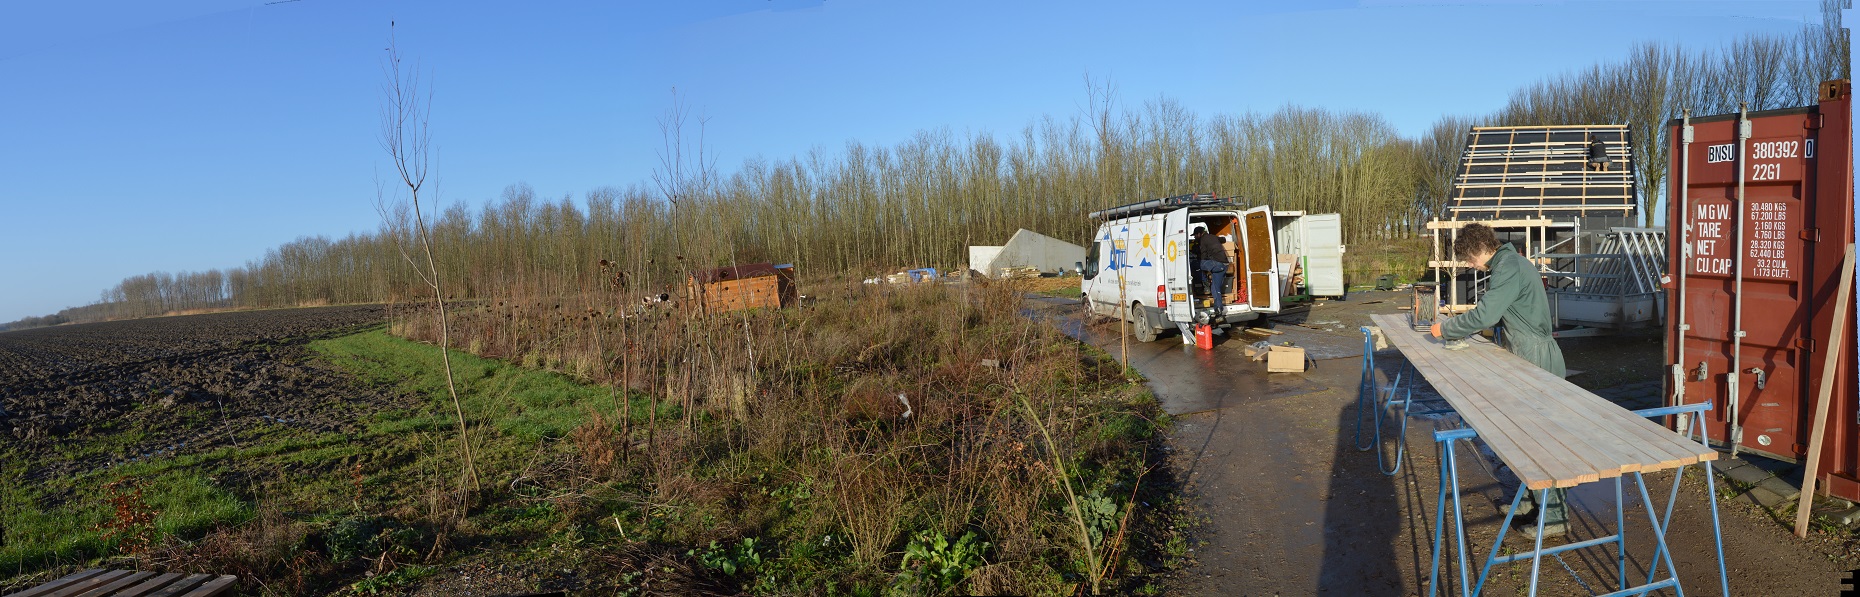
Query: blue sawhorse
(1372, 398)
(1449, 483)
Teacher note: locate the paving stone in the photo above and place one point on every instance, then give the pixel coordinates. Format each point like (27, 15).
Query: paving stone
(1740, 471)
(1848, 518)
(1780, 487)
(1770, 499)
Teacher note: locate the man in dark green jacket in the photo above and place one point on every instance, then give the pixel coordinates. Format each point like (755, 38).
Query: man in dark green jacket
(1514, 296)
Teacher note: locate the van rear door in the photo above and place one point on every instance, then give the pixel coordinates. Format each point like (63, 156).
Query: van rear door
(1324, 254)
(1262, 279)
(1175, 266)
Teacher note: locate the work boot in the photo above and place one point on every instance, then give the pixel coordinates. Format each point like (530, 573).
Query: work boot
(1525, 508)
(1551, 530)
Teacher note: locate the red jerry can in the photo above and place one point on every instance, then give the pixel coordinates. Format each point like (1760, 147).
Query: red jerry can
(1204, 337)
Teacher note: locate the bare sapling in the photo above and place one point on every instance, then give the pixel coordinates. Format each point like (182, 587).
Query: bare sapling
(405, 136)
(685, 175)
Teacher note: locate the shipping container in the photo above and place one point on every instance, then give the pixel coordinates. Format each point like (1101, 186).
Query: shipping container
(1761, 209)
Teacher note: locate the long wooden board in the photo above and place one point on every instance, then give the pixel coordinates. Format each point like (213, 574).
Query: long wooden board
(1549, 431)
(125, 583)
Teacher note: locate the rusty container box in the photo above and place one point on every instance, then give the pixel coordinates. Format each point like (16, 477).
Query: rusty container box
(1788, 239)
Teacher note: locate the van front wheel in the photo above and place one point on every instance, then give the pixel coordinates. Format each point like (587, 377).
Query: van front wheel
(1140, 325)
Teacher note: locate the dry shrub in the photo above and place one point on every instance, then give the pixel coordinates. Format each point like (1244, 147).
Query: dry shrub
(270, 552)
(869, 497)
(598, 446)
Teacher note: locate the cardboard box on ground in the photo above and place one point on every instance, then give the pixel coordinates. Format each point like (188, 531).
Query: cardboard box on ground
(1285, 359)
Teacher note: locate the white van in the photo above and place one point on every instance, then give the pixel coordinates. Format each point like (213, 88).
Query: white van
(1140, 266)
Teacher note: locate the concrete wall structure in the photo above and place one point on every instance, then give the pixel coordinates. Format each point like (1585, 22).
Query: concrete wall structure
(980, 257)
(1028, 248)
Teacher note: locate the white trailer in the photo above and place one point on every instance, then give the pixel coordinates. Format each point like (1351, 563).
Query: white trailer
(1139, 265)
(1314, 242)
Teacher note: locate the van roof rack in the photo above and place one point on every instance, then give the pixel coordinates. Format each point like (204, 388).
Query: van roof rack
(1165, 204)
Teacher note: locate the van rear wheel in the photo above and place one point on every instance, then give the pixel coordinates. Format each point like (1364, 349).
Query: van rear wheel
(1140, 325)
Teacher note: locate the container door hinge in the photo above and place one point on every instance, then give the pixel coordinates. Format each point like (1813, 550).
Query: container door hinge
(1814, 121)
(1807, 344)
(1812, 235)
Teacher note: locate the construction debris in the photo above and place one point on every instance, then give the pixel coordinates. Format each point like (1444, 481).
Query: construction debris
(1023, 272)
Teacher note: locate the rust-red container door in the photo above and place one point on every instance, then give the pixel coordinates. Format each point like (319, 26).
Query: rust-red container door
(1777, 170)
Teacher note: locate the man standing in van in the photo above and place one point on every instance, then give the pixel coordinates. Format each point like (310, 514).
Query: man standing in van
(1214, 261)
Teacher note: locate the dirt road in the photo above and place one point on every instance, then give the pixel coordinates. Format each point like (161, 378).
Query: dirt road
(1289, 506)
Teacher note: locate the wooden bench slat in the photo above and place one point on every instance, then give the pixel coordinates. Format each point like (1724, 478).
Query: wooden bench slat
(1551, 432)
(1523, 452)
(1583, 430)
(87, 583)
(98, 582)
(152, 585)
(185, 586)
(1541, 441)
(1575, 427)
(1659, 444)
(115, 585)
(1522, 459)
(215, 587)
(67, 580)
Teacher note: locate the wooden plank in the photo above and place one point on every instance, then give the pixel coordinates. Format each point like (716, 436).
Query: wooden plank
(67, 580)
(183, 587)
(1663, 449)
(1583, 442)
(151, 585)
(215, 587)
(1671, 448)
(1567, 464)
(1553, 127)
(1515, 223)
(116, 585)
(1595, 441)
(87, 583)
(1555, 435)
(1494, 431)
(1828, 361)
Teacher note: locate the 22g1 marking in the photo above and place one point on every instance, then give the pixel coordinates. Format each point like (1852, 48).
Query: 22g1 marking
(1766, 171)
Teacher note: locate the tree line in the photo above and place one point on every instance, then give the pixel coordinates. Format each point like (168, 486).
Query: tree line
(865, 209)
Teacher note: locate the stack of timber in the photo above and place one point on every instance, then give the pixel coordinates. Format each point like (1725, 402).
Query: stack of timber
(1018, 273)
(1554, 435)
(761, 285)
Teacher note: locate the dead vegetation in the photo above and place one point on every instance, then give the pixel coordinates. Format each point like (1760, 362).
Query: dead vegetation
(866, 428)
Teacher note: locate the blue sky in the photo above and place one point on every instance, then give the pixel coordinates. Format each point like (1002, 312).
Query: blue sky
(189, 135)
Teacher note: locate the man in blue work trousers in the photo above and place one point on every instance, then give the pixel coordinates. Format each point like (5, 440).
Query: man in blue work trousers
(1213, 263)
(1514, 296)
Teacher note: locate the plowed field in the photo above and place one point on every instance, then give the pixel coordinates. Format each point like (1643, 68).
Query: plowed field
(176, 385)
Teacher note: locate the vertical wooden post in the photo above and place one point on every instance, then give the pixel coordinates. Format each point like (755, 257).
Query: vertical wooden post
(1829, 362)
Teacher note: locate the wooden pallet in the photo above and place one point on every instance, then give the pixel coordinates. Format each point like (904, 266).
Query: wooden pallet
(98, 582)
(1549, 431)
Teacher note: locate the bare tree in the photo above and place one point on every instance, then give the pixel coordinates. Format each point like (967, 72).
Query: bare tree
(407, 140)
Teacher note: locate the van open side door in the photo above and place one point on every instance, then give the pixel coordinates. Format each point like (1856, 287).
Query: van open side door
(1262, 278)
(1177, 273)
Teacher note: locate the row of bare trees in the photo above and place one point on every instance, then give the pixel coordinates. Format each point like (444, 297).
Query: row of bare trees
(867, 208)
